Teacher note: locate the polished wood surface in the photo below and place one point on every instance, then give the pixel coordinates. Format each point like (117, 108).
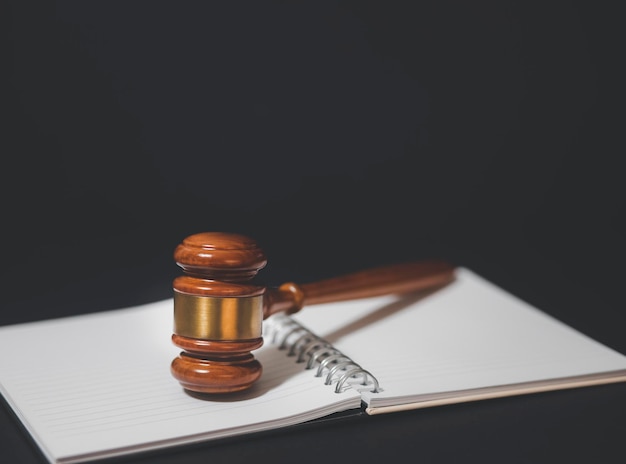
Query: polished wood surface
(216, 367)
(397, 278)
(217, 266)
(220, 267)
(223, 256)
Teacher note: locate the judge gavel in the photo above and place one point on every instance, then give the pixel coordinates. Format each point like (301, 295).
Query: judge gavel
(218, 310)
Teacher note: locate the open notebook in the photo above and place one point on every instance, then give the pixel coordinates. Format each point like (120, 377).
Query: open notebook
(99, 385)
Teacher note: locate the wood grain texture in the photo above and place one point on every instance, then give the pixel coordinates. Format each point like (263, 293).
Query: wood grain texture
(385, 280)
(216, 367)
(225, 256)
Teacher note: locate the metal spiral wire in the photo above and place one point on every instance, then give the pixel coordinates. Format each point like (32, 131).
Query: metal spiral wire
(308, 348)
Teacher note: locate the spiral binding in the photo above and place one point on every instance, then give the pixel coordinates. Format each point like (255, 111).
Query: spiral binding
(308, 348)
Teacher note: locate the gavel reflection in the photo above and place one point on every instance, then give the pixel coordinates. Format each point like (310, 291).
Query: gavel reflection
(218, 310)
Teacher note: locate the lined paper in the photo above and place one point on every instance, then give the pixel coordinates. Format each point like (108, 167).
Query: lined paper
(99, 385)
(469, 340)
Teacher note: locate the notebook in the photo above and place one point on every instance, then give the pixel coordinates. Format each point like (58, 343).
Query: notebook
(98, 385)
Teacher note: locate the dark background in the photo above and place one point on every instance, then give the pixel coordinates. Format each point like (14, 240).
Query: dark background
(340, 135)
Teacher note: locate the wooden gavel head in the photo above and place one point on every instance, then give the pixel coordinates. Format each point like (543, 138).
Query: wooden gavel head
(218, 313)
(219, 310)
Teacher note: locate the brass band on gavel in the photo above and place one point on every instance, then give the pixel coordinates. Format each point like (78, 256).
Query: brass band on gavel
(212, 318)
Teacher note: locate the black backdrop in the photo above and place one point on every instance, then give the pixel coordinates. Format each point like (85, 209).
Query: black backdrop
(341, 135)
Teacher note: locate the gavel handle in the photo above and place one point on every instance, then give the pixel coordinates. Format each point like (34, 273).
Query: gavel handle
(385, 280)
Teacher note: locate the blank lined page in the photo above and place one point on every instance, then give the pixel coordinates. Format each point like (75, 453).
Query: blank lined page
(99, 385)
(469, 339)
